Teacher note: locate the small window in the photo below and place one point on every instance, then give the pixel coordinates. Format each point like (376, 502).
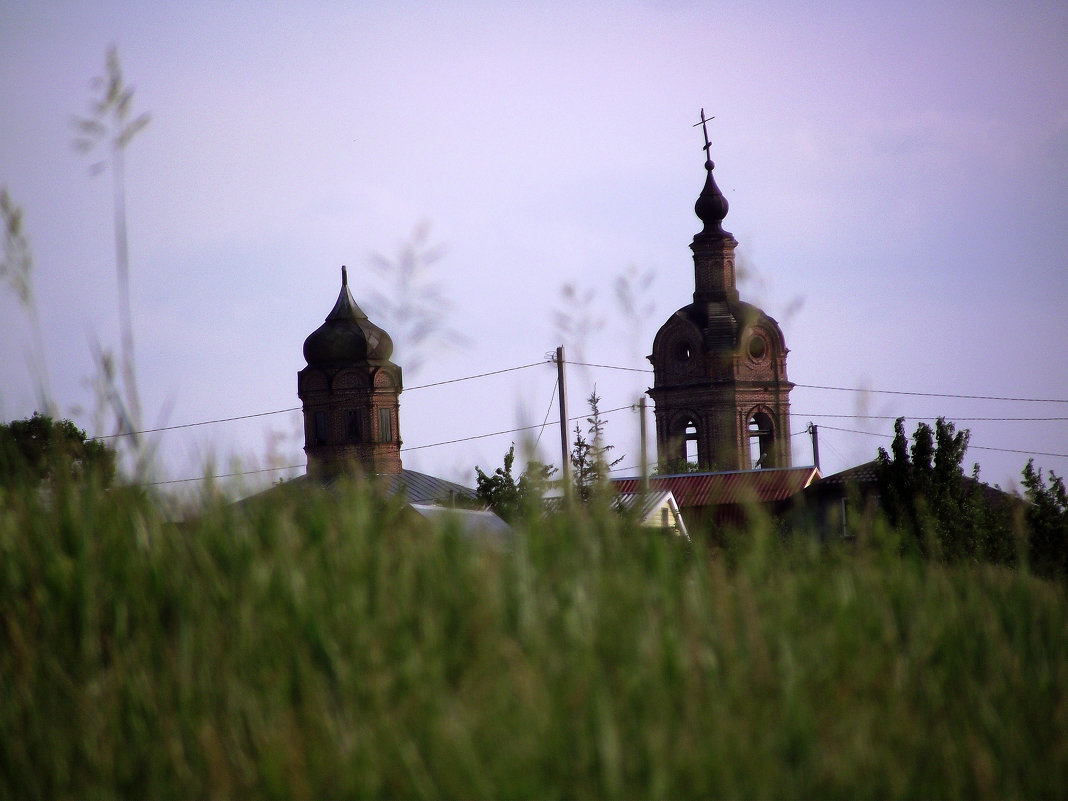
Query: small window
(320, 428)
(385, 427)
(352, 425)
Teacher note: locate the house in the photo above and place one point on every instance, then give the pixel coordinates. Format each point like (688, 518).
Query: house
(727, 498)
(655, 509)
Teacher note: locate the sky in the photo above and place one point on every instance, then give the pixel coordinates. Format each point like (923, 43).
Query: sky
(897, 176)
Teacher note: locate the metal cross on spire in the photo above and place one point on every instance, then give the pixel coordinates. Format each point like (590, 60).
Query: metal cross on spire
(704, 127)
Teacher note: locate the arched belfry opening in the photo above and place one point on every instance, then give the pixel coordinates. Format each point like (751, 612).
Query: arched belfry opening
(761, 440)
(684, 442)
(721, 395)
(350, 393)
(693, 450)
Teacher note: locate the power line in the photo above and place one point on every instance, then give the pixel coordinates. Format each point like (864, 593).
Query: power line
(1010, 450)
(297, 408)
(222, 475)
(468, 439)
(201, 423)
(548, 409)
(480, 375)
(412, 448)
(613, 367)
(507, 431)
(646, 370)
(955, 419)
(855, 389)
(970, 446)
(606, 411)
(935, 394)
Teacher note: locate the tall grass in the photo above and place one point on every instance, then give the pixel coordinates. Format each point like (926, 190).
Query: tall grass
(322, 645)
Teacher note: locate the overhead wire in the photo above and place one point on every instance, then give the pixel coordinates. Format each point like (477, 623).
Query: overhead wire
(298, 408)
(507, 431)
(932, 417)
(403, 450)
(934, 394)
(479, 375)
(884, 435)
(544, 423)
(646, 370)
(856, 389)
(222, 475)
(201, 423)
(547, 411)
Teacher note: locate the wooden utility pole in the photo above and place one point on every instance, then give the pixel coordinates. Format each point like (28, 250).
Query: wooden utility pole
(813, 430)
(565, 445)
(642, 447)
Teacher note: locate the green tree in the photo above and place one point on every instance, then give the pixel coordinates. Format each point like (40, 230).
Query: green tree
(41, 450)
(676, 467)
(590, 460)
(1047, 520)
(926, 494)
(509, 497)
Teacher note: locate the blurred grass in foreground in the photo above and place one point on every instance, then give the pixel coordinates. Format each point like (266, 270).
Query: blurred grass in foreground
(316, 647)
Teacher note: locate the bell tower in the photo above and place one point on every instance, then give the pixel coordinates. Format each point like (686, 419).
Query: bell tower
(350, 393)
(720, 390)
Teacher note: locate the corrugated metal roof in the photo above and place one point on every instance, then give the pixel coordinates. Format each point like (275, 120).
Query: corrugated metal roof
(731, 487)
(417, 487)
(622, 501)
(421, 488)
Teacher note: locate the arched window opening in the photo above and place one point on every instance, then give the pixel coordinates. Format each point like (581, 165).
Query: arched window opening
(692, 451)
(761, 441)
(320, 428)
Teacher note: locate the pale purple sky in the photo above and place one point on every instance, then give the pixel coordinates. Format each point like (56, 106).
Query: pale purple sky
(897, 174)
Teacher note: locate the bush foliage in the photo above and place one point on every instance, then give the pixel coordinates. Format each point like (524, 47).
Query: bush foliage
(40, 450)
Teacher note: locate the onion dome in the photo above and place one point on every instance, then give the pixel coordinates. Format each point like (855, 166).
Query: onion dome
(711, 205)
(347, 336)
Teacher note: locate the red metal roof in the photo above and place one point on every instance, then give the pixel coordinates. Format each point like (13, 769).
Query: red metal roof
(734, 487)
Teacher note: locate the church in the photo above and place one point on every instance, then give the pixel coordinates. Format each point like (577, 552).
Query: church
(721, 394)
(350, 400)
(720, 390)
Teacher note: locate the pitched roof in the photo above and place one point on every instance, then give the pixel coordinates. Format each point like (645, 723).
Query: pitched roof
(862, 475)
(422, 488)
(642, 507)
(732, 487)
(865, 477)
(415, 486)
(478, 524)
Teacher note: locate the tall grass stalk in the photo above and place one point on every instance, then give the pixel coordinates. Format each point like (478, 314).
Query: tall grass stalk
(109, 125)
(16, 270)
(326, 645)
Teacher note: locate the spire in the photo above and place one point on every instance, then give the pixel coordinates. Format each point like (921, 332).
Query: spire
(347, 336)
(345, 308)
(711, 206)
